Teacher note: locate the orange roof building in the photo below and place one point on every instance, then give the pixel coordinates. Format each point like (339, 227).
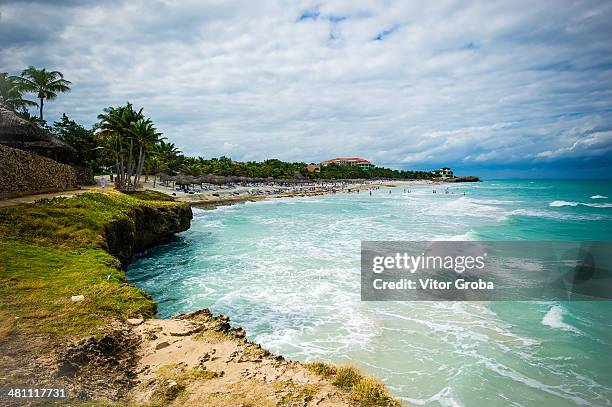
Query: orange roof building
(352, 161)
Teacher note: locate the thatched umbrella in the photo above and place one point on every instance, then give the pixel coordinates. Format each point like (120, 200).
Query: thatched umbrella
(19, 133)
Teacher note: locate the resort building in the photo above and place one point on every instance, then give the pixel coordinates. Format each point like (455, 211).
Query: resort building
(443, 172)
(353, 162)
(313, 168)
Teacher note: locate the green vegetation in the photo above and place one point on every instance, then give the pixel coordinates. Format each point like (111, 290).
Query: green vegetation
(46, 85)
(335, 171)
(126, 143)
(226, 167)
(88, 151)
(11, 94)
(52, 250)
(174, 379)
(295, 394)
(129, 136)
(364, 391)
(182, 374)
(150, 195)
(276, 169)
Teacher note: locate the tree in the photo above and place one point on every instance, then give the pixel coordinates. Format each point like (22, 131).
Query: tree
(125, 132)
(46, 84)
(10, 93)
(146, 137)
(115, 129)
(191, 166)
(153, 165)
(82, 139)
(168, 154)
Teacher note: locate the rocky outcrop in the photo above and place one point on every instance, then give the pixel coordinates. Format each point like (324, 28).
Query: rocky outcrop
(469, 178)
(107, 361)
(146, 226)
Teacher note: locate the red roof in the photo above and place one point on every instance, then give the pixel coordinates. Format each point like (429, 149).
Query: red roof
(352, 159)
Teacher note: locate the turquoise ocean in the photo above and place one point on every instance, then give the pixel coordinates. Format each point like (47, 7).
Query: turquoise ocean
(287, 270)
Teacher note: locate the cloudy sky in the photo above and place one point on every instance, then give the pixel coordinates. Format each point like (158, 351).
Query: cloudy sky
(511, 89)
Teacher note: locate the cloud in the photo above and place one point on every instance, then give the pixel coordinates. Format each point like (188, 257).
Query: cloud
(594, 144)
(405, 84)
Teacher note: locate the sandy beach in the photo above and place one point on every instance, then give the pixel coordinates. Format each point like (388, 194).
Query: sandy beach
(232, 193)
(229, 194)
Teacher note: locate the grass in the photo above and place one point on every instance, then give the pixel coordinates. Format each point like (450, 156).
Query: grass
(69, 222)
(149, 195)
(37, 283)
(295, 394)
(363, 390)
(54, 249)
(181, 376)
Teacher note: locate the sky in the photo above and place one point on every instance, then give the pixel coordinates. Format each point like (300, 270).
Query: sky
(494, 89)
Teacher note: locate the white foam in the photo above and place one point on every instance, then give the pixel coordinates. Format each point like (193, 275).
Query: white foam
(494, 202)
(599, 197)
(467, 236)
(563, 203)
(465, 206)
(552, 215)
(554, 319)
(537, 214)
(444, 398)
(598, 205)
(592, 205)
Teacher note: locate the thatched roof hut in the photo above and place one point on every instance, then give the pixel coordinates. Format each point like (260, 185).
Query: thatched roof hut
(19, 133)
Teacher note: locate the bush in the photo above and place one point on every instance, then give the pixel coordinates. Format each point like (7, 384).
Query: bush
(363, 390)
(346, 377)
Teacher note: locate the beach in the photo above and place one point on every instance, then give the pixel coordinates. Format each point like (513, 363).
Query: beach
(97, 339)
(233, 193)
(287, 270)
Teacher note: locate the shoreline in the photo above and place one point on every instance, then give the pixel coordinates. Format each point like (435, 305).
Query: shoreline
(224, 195)
(126, 353)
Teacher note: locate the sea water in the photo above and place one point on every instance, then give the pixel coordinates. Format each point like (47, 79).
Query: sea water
(287, 270)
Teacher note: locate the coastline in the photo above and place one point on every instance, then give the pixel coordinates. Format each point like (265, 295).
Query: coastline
(221, 195)
(125, 354)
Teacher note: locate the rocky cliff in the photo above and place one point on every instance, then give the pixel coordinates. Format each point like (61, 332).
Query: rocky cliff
(145, 226)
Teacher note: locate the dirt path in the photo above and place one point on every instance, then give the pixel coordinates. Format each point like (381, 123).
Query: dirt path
(33, 198)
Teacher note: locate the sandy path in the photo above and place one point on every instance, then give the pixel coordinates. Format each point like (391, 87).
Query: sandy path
(33, 198)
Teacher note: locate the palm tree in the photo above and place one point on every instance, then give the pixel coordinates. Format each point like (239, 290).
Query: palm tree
(191, 166)
(153, 165)
(127, 131)
(146, 136)
(167, 152)
(10, 94)
(115, 127)
(46, 84)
